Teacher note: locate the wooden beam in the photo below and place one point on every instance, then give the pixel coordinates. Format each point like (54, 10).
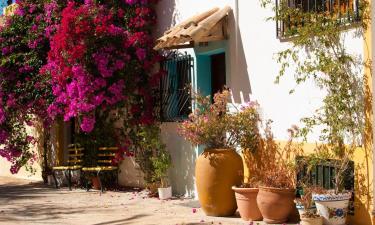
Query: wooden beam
(190, 45)
(211, 38)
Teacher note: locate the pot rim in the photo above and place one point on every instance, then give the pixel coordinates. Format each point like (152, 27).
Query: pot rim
(165, 188)
(238, 189)
(219, 149)
(332, 197)
(277, 189)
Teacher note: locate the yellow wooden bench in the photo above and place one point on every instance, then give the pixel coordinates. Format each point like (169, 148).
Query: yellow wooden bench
(75, 160)
(104, 164)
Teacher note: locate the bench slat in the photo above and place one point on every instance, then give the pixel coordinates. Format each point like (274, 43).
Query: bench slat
(107, 155)
(108, 148)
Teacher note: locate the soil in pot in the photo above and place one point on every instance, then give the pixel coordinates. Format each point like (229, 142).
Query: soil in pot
(311, 220)
(216, 171)
(247, 203)
(275, 204)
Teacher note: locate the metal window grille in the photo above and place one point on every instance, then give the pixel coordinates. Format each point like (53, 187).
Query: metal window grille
(345, 12)
(323, 175)
(175, 95)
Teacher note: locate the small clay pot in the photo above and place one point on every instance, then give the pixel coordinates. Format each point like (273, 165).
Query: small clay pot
(311, 221)
(247, 203)
(275, 204)
(95, 183)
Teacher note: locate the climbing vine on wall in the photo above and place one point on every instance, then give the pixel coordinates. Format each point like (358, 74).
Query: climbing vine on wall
(318, 51)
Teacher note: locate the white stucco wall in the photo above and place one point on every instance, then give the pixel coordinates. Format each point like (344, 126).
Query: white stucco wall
(251, 63)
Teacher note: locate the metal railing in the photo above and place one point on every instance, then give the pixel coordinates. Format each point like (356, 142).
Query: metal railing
(175, 95)
(343, 11)
(323, 175)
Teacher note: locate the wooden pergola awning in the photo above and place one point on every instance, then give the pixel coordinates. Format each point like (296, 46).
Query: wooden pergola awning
(205, 27)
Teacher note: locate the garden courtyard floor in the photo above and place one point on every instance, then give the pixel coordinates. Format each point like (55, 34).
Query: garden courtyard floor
(23, 202)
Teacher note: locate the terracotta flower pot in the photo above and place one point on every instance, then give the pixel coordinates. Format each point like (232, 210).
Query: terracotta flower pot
(216, 171)
(95, 183)
(275, 204)
(247, 203)
(311, 221)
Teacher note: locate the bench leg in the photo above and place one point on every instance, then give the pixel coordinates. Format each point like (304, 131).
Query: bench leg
(54, 178)
(86, 181)
(117, 185)
(100, 183)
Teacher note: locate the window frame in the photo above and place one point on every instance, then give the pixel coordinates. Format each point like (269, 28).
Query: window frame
(178, 69)
(346, 18)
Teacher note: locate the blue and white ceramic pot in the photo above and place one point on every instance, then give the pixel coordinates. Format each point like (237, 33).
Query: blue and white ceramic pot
(302, 210)
(332, 207)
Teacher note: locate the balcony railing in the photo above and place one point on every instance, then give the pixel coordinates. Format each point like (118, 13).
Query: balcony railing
(342, 12)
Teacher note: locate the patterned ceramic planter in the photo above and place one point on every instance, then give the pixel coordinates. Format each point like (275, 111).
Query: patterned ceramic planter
(301, 209)
(332, 207)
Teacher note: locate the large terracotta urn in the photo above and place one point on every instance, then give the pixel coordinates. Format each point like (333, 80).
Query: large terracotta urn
(247, 203)
(275, 204)
(216, 171)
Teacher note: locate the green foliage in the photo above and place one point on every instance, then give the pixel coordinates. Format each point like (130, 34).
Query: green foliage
(149, 149)
(318, 52)
(162, 162)
(103, 135)
(214, 125)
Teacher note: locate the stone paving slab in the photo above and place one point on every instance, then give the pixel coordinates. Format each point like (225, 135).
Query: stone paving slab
(32, 203)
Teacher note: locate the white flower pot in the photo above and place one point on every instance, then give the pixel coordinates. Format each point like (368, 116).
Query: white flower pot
(165, 193)
(332, 207)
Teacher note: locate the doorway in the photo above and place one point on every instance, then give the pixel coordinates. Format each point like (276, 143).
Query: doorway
(218, 73)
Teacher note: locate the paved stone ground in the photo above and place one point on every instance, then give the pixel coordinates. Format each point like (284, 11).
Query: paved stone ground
(24, 203)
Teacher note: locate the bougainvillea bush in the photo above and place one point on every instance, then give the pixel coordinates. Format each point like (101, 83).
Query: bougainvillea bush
(101, 59)
(76, 59)
(24, 93)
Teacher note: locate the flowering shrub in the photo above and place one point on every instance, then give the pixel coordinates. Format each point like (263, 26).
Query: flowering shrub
(74, 60)
(101, 59)
(214, 126)
(98, 59)
(24, 43)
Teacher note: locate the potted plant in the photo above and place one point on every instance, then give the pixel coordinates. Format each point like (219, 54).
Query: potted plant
(219, 167)
(247, 117)
(333, 204)
(161, 164)
(307, 213)
(246, 198)
(277, 189)
(342, 115)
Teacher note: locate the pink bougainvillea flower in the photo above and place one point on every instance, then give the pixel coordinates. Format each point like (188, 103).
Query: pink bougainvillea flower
(88, 123)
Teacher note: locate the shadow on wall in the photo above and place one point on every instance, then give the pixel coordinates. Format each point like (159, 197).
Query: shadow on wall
(363, 202)
(237, 76)
(239, 79)
(183, 160)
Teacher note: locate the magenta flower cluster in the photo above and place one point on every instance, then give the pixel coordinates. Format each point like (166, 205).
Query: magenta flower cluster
(74, 60)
